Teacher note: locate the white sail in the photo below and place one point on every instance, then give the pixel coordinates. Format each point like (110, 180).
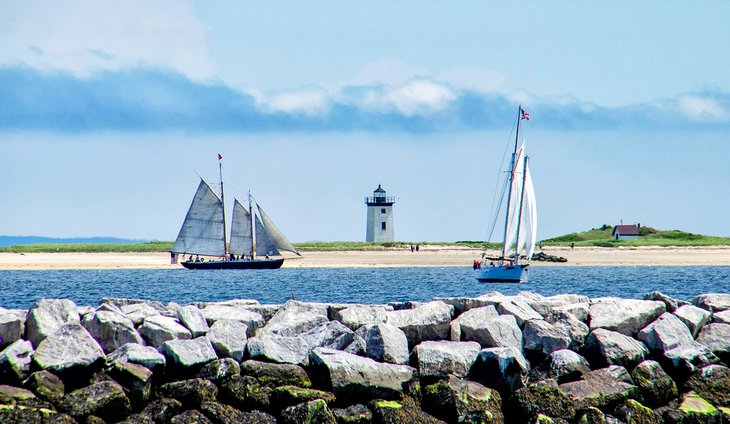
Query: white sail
(202, 230)
(241, 237)
(277, 237)
(510, 235)
(265, 244)
(529, 215)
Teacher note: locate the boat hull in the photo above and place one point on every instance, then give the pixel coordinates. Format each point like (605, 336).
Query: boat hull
(255, 264)
(502, 274)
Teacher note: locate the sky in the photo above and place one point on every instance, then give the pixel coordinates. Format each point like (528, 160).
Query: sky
(109, 111)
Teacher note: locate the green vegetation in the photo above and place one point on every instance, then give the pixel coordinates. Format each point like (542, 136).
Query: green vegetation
(595, 237)
(153, 246)
(601, 237)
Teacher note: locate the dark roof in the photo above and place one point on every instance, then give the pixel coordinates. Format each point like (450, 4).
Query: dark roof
(626, 230)
(379, 189)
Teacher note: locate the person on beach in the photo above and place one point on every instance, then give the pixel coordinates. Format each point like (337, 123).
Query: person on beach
(572, 246)
(417, 246)
(411, 248)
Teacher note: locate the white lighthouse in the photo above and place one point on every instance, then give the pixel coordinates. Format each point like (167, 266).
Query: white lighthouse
(380, 216)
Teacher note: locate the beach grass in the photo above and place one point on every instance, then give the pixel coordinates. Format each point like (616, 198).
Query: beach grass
(602, 237)
(595, 237)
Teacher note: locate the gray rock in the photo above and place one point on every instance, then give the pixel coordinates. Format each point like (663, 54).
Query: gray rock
(355, 414)
(295, 318)
(717, 338)
(12, 327)
(713, 302)
(253, 320)
(121, 303)
(158, 329)
(385, 343)
(236, 303)
(430, 321)
(519, 309)
(146, 356)
(188, 354)
(576, 330)
(267, 311)
(70, 347)
(687, 357)
(626, 316)
(670, 303)
(657, 388)
(48, 315)
(192, 319)
(444, 358)
(191, 416)
(499, 331)
(136, 380)
(664, 333)
(542, 338)
(464, 304)
(693, 317)
(501, 368)
(276, 375)
(456, 400)
(722, 317)
(46, 385)
(712, 383)
(472, 318)
(191, 393)
(581, 311)
(567, 365)
(138, 312)
(545, 305)
(111, 329)
(605, 347)
(601, 389)
(358, 345)
(229, 338)
(356, 316)
(15, 361)
(351, 375)
(315, 411)
(332, 334)
(105, 400)
(279, 349)
(219, 370)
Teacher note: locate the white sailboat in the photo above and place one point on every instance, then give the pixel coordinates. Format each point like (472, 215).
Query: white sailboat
(520, 227)
(203, 233)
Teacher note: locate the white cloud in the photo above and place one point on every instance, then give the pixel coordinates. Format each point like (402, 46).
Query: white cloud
(84, 36)
(308, 101)
(420, 97)
(391, 72)
(702, 109)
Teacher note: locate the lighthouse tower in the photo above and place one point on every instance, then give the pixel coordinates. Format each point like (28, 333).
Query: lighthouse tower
(380, 216)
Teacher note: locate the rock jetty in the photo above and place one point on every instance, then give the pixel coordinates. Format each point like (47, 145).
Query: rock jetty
(495, 358)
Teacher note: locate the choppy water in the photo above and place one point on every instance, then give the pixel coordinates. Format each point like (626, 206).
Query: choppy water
(19, 289)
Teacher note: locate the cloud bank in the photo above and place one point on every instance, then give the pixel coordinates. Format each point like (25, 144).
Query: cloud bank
(145, 99)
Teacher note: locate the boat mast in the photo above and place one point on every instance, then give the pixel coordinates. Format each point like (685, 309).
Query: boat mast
(220, 170)
(511, 178)
(519, 217)
(250, 224)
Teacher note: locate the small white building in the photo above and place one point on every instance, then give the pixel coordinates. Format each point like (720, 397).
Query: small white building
(379, 216)
(625, 232)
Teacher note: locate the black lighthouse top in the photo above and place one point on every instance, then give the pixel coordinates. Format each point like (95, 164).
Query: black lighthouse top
(379, 198)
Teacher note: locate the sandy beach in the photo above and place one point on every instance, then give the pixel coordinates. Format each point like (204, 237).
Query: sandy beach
(428, 256)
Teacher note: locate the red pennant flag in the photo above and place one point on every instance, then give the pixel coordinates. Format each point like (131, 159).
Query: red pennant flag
(219, 156)
(525, 115)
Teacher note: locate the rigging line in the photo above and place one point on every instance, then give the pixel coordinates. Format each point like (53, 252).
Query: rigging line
(495, 212)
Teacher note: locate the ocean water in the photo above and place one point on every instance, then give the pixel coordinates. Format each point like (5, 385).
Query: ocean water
(19, 289)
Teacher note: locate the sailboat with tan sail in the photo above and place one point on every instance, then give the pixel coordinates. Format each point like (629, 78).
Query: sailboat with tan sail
(255, 241)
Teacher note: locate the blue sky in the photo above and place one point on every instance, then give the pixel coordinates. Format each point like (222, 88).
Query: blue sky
(107, 111)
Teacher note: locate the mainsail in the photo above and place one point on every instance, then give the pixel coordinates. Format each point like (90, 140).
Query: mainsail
(202, 230)
(241, 237)
(277, 237)
(513, 207)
